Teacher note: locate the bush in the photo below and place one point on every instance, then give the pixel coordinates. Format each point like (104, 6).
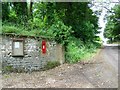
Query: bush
(77, 51)
(60, 32)
(74, 50)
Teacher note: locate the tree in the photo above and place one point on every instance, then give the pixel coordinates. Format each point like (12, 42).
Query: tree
(21, 10)
(18, 11)
(30, 11)
(82, 20)
(112, 31)
(5, 11)
(72, 24)
(78, 16)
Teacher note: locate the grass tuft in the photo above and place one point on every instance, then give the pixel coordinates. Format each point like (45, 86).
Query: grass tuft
(51, 64)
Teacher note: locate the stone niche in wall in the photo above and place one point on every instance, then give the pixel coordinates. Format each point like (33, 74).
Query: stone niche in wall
(18, 47)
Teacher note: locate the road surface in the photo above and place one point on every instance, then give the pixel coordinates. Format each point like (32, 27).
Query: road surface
(104, 71)
(100, 72)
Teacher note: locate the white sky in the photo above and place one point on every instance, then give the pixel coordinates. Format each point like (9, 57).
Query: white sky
(102, 7)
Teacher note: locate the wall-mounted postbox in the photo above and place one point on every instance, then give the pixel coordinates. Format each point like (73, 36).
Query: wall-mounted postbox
(17, 47)
(43, 46)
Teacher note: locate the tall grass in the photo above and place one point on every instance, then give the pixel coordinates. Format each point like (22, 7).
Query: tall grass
(18, 30)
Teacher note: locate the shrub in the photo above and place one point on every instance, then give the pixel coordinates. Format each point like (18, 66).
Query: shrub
(74, 50)
(77, 51)
(60, 32)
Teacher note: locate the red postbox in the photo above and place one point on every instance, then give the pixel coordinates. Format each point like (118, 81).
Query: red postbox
(43, 46)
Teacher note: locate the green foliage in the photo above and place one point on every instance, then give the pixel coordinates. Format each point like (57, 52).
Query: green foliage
(58, 20)
(9, 29)
(0, 26)
(72, 24)
(12, 16)
(60, 32)
(82, 20)
(21, 11)
(16, 12)
(51, 64)
(10, 69)
(17, 30)
(7, 69)
(112, 31)
(5, 11)
(77, 50)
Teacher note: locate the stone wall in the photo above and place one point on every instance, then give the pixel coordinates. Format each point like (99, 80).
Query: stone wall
(33, 57)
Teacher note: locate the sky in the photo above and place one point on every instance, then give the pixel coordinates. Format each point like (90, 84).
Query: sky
(102, 7)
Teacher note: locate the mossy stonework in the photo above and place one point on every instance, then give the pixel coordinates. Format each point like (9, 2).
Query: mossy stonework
(33, 58)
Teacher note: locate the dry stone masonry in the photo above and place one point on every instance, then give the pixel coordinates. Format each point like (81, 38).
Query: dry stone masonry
(33, 58)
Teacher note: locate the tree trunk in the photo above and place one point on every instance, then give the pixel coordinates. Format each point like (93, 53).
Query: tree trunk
(30, 10)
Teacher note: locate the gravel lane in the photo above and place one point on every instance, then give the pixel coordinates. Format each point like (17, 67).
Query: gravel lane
(104, 72)
(101, 71)
(64, 76)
